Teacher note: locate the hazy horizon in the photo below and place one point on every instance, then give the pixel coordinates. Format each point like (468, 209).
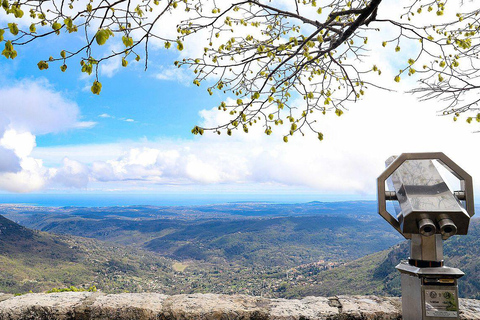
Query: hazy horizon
(173, 199)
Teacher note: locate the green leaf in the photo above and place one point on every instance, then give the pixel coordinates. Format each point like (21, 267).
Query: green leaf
(127, 41)
(56, 26)
(13, 27)
(139, 11)
(179, 45)
(96, 87)
(68, 22)
(18, 13)
(9, 52)
(102, 36)
(42, 65)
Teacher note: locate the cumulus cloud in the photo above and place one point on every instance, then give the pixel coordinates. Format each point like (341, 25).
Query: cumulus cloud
(30, 174)
(31, 108)
(71, 174)
(346, 162)
(9, 161)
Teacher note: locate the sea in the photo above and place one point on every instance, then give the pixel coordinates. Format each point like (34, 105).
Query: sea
(111, 200)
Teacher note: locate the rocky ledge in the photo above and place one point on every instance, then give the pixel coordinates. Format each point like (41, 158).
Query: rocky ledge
(88, 305)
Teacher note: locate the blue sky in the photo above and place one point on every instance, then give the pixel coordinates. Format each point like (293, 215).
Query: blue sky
(135, 136)
(158, 107)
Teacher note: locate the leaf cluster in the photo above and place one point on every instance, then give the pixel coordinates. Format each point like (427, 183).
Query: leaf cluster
(267, 57)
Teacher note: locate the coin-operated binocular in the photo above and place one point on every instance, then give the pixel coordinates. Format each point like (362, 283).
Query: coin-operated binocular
(428, 212)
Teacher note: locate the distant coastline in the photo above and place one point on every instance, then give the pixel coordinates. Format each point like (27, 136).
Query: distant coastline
(111, 200)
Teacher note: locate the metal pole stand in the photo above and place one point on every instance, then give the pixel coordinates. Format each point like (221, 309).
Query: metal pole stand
(428, 287)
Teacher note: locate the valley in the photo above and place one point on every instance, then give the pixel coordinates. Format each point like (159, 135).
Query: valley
(259, 249)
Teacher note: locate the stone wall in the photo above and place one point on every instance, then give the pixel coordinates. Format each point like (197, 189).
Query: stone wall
(87, 305)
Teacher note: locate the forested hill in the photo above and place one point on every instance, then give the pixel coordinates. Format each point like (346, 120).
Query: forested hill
(39, 261)
(186, 250)
(265, 235)
(376, 273)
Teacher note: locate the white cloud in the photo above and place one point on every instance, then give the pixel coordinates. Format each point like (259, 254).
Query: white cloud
(108, 116)
(71, 174)
(85, 125)
(21, 143)
(110, 67)
(348, 161)
(9, 161)
(170, 73)
(31, 108)
(31, 174)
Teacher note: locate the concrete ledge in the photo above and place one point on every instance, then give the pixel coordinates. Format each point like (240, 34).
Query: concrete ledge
(142, 306)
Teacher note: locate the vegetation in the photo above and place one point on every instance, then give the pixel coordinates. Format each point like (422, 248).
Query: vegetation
(265, 256)
(376, 273)
(261, 236)
(72, 289)
(38, 261)
(266, 54)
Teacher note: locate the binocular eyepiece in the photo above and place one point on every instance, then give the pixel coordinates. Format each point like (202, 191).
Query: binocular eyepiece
(447, 227)
(427, 227)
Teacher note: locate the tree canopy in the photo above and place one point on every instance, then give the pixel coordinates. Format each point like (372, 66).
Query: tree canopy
(282, 61)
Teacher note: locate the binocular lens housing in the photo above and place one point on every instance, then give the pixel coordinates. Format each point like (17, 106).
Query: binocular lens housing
(447, 227)
(427, 227)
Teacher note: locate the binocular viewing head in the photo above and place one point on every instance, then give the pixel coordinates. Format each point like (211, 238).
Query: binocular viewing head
(428, 212)
(423, 202)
